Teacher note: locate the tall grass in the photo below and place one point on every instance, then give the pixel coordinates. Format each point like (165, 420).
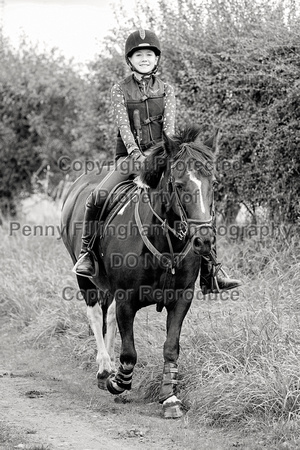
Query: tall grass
(240, 359)
(34, 270)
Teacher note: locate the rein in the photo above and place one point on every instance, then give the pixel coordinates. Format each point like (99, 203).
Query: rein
(169, 262)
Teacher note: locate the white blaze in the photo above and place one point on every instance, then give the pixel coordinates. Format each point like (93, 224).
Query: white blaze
(199, 185)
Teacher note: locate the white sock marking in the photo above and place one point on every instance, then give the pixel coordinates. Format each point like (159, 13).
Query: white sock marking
(95, 317)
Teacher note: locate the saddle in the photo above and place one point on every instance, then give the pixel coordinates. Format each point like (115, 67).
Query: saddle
(117, 198)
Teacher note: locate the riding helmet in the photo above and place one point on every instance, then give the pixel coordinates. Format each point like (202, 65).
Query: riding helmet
(142, 39)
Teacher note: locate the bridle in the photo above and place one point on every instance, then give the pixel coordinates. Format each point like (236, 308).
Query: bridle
(185, 222)
(170, 261)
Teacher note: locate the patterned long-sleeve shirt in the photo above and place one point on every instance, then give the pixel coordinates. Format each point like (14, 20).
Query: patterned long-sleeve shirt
(122, 119)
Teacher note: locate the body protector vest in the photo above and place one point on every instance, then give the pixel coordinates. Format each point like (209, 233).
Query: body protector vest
(148, 99)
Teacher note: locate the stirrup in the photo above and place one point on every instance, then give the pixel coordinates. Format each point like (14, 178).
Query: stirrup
(219, 283)
(216, 268)
(214, 285)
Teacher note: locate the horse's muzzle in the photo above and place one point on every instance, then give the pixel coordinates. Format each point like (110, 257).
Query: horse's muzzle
(202, 240)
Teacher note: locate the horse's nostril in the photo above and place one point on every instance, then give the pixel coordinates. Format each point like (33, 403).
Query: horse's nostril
(197, 243)
(201, 246)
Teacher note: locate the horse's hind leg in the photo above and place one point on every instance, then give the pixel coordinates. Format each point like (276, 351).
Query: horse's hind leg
(96, 319)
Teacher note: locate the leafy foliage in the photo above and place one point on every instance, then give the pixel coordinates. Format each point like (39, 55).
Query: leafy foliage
(46, 111)
(233, 64)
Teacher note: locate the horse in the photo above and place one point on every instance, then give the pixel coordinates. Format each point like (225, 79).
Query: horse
(167, 215)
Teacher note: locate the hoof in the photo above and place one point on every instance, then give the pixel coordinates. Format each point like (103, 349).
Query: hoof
(172, 409)
(102, 379)
(112, 386)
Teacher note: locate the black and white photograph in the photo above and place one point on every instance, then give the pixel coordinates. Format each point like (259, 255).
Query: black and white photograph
(150, 224)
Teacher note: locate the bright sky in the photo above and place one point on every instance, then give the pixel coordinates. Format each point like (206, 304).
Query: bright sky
(74, 26)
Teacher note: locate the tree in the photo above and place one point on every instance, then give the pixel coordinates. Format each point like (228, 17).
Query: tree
(46, 111)
(234, 64)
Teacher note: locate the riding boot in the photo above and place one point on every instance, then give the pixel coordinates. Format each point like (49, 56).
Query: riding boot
(211, 281)
(85, 265)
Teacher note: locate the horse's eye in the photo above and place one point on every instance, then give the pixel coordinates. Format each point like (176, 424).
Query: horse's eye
(179, 186)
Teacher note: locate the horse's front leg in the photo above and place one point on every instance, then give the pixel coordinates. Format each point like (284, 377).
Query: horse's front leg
(105, 365)
(121, 381)
(96, 319)
(111, 330)
(172, 407)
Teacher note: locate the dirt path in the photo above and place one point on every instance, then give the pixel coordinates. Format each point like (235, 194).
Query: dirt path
(46, 402)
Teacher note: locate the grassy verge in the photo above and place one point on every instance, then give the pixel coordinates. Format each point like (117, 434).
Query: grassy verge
(240, 357)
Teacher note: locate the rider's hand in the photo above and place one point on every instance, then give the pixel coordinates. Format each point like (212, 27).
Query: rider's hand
(135, 153)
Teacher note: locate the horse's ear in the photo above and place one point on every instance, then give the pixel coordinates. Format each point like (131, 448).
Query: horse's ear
(214, 140)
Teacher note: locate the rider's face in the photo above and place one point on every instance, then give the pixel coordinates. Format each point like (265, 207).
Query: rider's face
(144, 60)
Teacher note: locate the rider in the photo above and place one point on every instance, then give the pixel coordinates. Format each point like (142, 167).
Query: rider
(154, 100)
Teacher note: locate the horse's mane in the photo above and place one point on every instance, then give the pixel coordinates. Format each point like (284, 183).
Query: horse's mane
(190, 147)
(154, 165)
(187, 134)
(181, 146)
